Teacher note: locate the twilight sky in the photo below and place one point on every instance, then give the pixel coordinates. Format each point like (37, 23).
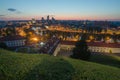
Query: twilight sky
(61, 9)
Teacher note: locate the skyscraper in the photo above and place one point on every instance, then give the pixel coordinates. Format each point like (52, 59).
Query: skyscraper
(48, 18)
(42, 19)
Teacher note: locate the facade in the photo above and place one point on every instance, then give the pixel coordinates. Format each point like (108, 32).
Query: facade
(95, 47)
(14, 41)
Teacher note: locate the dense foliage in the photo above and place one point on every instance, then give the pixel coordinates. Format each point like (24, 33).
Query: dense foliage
(81, 50)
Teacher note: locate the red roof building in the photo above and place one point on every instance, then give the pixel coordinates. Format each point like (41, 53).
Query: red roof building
(99, 47)
(97, 44)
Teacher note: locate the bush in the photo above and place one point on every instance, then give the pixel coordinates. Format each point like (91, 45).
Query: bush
(3, 45)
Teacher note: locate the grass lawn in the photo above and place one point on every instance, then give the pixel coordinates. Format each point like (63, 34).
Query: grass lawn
(19, 66)
(110, 60)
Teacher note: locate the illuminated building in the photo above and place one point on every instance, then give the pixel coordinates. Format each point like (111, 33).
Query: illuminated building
(94, 47)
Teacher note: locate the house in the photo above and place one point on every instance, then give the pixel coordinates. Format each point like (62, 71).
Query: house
(14, 41)
(95, 47)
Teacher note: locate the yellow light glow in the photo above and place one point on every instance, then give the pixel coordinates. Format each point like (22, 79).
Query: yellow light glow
(22, 33)
(107, 38)
(35, 39)
(91, 37)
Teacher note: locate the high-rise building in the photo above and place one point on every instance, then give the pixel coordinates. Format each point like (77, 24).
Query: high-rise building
(42, 19)
(53, 20)
(48, 18)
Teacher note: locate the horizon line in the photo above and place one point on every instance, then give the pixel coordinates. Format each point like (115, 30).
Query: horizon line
(63, 19)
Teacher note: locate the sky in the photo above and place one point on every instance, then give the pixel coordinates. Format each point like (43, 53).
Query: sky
(60, 9)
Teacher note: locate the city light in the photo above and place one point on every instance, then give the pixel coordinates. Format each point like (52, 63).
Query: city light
(107, 38)
(91, 37)
(35, 39)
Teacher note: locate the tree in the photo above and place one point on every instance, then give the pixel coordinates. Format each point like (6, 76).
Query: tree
(3, 45)
(110, 51)
(81, 51)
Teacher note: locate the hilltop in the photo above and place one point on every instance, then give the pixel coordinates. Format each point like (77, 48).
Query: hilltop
(21, 66)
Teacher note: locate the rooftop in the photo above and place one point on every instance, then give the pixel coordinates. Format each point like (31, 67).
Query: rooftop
(98, 44)
(11, 38)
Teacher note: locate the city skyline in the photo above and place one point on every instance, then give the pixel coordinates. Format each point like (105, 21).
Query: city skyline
(60, 9)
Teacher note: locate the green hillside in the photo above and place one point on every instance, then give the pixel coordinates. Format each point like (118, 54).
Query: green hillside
(18, 66)
(105, 59)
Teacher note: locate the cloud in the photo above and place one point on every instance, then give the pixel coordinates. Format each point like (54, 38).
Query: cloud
(2, 15)
(12, 9)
